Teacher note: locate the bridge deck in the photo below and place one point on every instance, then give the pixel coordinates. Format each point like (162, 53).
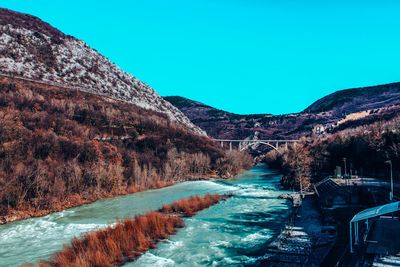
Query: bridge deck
(271, 140)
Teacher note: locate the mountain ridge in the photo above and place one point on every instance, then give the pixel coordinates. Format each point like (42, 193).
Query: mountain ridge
(356, 99)
(33, 49)
(336, 111)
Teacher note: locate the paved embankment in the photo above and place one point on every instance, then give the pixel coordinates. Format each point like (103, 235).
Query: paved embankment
(306, 241)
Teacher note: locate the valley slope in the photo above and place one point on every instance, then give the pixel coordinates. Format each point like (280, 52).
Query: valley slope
(31, 48)
(74, 128)
(343, 109)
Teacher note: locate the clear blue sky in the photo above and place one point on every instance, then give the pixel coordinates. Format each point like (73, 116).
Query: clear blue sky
(244, 56)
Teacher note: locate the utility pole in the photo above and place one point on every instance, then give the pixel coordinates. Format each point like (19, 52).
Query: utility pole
(391, 178)
(345, 170)
(351, 168)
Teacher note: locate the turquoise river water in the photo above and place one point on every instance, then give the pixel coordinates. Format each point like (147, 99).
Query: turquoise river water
(231, 233)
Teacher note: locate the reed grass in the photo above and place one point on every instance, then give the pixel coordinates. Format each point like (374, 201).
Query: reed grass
(128, 239)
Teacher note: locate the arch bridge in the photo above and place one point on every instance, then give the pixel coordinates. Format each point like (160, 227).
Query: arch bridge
(245, 144)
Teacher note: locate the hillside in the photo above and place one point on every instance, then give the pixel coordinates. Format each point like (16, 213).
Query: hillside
(358, 99)
(343, 109)
(74, 128)
(225, 125)
(60, 148)
(33, 49)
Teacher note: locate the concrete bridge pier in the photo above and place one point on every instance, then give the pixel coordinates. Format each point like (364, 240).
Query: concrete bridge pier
(230, 145)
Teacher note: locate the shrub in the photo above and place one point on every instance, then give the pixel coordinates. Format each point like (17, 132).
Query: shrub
(89, 153)
(68, 148)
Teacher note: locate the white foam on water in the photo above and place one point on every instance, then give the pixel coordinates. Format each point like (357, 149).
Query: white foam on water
(255, 193)
(189, 230)
(247, 186)
(174, 244)
(60, 214)
(78, 228)
(149, 259)
(221, 243)
(226, 261)
(39, 236)
(31, 230)
(253, 190)
(219, 186)
(255, 238)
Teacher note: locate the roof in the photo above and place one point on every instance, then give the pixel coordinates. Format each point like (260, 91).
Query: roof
(376, 211)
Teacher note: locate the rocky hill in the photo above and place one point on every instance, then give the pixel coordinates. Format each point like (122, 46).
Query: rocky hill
(225, 125)
(33, 49)
(358, 99)
(74, 128)
(340, 110)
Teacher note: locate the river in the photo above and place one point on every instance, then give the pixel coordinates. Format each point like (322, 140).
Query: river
(231, 233)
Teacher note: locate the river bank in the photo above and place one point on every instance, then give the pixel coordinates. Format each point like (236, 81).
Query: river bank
(73, 201)
(232, 232)
(79, 200)
(305, 240)
(126, 240)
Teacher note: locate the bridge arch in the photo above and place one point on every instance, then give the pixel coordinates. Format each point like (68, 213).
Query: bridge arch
(245, 143)
(259, 142)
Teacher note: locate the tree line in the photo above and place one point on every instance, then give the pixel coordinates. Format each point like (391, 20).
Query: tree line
(363, 151)
(52, 155)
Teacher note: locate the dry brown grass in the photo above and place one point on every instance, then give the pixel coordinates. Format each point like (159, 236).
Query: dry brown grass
(117, 244)
(130, 238)
(188, 207)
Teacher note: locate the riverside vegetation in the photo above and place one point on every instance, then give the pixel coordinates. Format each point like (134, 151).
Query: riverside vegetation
(128, 239)
(365, 148)
(52, 155)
